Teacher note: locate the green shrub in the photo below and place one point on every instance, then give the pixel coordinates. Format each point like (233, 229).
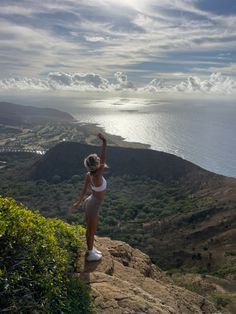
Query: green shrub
(56, 179)
(75, 179)
(37, 263)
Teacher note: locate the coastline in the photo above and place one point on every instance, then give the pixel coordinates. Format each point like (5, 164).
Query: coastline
(90, 131)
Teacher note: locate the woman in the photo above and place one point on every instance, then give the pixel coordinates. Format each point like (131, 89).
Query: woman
(94, 178)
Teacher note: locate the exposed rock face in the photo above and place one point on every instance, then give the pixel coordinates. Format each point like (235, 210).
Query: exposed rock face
(126, 282)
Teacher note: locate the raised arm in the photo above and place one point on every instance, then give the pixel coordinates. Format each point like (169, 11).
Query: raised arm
(104, 149)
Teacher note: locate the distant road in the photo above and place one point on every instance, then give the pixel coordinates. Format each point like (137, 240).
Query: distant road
(37, 151)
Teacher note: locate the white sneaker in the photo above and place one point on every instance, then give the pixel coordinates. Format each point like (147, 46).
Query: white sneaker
(93, 256)
(96, 251)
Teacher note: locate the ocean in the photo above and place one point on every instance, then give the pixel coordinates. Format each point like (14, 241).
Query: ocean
(203, 132)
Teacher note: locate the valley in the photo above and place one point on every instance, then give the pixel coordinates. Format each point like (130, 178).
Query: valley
(179, 214)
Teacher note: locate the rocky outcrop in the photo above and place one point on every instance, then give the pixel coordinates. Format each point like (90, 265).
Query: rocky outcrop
(125, 281)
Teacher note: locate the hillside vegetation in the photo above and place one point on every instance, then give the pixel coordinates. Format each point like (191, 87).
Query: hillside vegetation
(177, 212)
(44, 270)
(186, 222)
(37, 263)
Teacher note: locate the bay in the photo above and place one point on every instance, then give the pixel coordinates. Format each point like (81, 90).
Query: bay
(198, 131)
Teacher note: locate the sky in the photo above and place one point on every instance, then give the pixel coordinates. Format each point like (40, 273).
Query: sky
(151, 46)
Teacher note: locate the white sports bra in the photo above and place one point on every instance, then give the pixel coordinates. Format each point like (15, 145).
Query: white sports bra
(100, 188)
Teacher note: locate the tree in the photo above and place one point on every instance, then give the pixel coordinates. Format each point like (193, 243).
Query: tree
(56, 179)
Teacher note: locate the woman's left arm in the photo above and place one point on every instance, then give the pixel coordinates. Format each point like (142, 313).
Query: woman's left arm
(77, 204)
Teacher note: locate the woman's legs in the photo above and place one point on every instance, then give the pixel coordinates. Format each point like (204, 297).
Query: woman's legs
(92, 221)
(91, 210)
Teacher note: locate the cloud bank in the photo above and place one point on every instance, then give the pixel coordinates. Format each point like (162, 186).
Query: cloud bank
(216, 84)
(100, 36)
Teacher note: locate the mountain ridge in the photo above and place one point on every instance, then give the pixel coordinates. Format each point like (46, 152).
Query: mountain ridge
(66, 159)
(15, 114)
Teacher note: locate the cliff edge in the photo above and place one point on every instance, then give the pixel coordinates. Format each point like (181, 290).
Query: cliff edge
(126, 282)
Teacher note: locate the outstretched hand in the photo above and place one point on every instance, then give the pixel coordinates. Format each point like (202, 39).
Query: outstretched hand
(101, 137)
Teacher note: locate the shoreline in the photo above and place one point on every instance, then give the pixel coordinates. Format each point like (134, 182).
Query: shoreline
(91, 130)
(86, 132)
(117, 140)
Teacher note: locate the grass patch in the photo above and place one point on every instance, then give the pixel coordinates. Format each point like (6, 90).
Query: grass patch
(221, 299)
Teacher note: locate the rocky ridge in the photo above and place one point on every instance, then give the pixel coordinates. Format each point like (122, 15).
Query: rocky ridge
(126, 282)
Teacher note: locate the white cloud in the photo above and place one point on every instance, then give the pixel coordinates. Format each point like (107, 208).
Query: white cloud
(123, 82)
(94, 39)
(216, 84)
(155, 85)
(78, 81)
(24, 84)
(60, 81)
(99, 35)
(15, 10)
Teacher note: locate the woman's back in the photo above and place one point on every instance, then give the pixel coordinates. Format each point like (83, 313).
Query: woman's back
(98, 185)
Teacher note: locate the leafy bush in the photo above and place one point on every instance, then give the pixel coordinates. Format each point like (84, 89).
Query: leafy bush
(37, 261)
